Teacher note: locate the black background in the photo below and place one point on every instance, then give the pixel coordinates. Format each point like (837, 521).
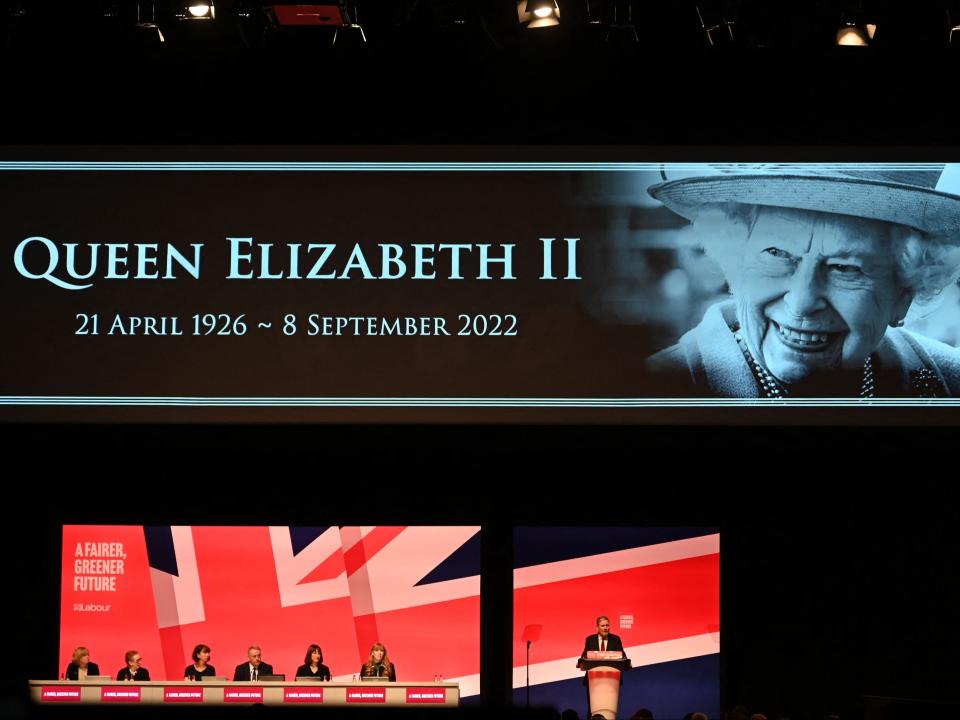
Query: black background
(839, 560)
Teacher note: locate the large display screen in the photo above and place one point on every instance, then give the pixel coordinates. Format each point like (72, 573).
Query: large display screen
(657, 588)
(347, 288)
(161, 591)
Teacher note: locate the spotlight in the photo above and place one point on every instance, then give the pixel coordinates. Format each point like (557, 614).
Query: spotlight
(197, 10)
(852, 36)
(534, 14)
(857, 27)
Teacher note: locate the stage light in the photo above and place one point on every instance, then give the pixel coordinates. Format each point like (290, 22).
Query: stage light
(857, 26)
(534, 14)
(202, 10)
(852, 36)
(541, 8)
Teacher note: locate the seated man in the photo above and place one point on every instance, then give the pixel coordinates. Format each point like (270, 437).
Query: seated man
(254, 668)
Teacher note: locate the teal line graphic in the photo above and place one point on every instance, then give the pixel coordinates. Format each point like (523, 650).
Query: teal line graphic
(93, 400)
(417, 166)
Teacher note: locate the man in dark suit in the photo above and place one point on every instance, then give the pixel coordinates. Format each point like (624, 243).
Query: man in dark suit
(603, 640)
(254, 668)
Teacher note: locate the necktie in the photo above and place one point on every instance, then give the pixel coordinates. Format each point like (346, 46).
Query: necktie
(254, 674)
(603, 645)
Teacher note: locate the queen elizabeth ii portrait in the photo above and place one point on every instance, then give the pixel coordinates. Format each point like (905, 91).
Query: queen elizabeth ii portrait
(823, 265)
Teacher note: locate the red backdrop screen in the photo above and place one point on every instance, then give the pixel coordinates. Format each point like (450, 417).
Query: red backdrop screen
(163, 590)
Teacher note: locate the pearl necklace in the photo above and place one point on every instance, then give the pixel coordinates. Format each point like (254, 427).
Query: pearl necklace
(772, 388)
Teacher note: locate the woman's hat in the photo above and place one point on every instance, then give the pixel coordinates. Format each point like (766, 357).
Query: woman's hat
(911, 195)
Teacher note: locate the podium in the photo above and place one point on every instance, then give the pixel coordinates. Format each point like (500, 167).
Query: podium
(603, 682)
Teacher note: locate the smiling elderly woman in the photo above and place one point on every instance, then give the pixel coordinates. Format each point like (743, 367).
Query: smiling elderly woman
(823, 266)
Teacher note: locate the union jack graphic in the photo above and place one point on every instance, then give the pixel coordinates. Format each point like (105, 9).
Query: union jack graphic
(660, 588)
(414, 588)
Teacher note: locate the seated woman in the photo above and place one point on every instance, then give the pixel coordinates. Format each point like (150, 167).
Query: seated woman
(133, 671)
(313, 664)
(378, 664)
(201, 666)
(80, 668)
(823, 265)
